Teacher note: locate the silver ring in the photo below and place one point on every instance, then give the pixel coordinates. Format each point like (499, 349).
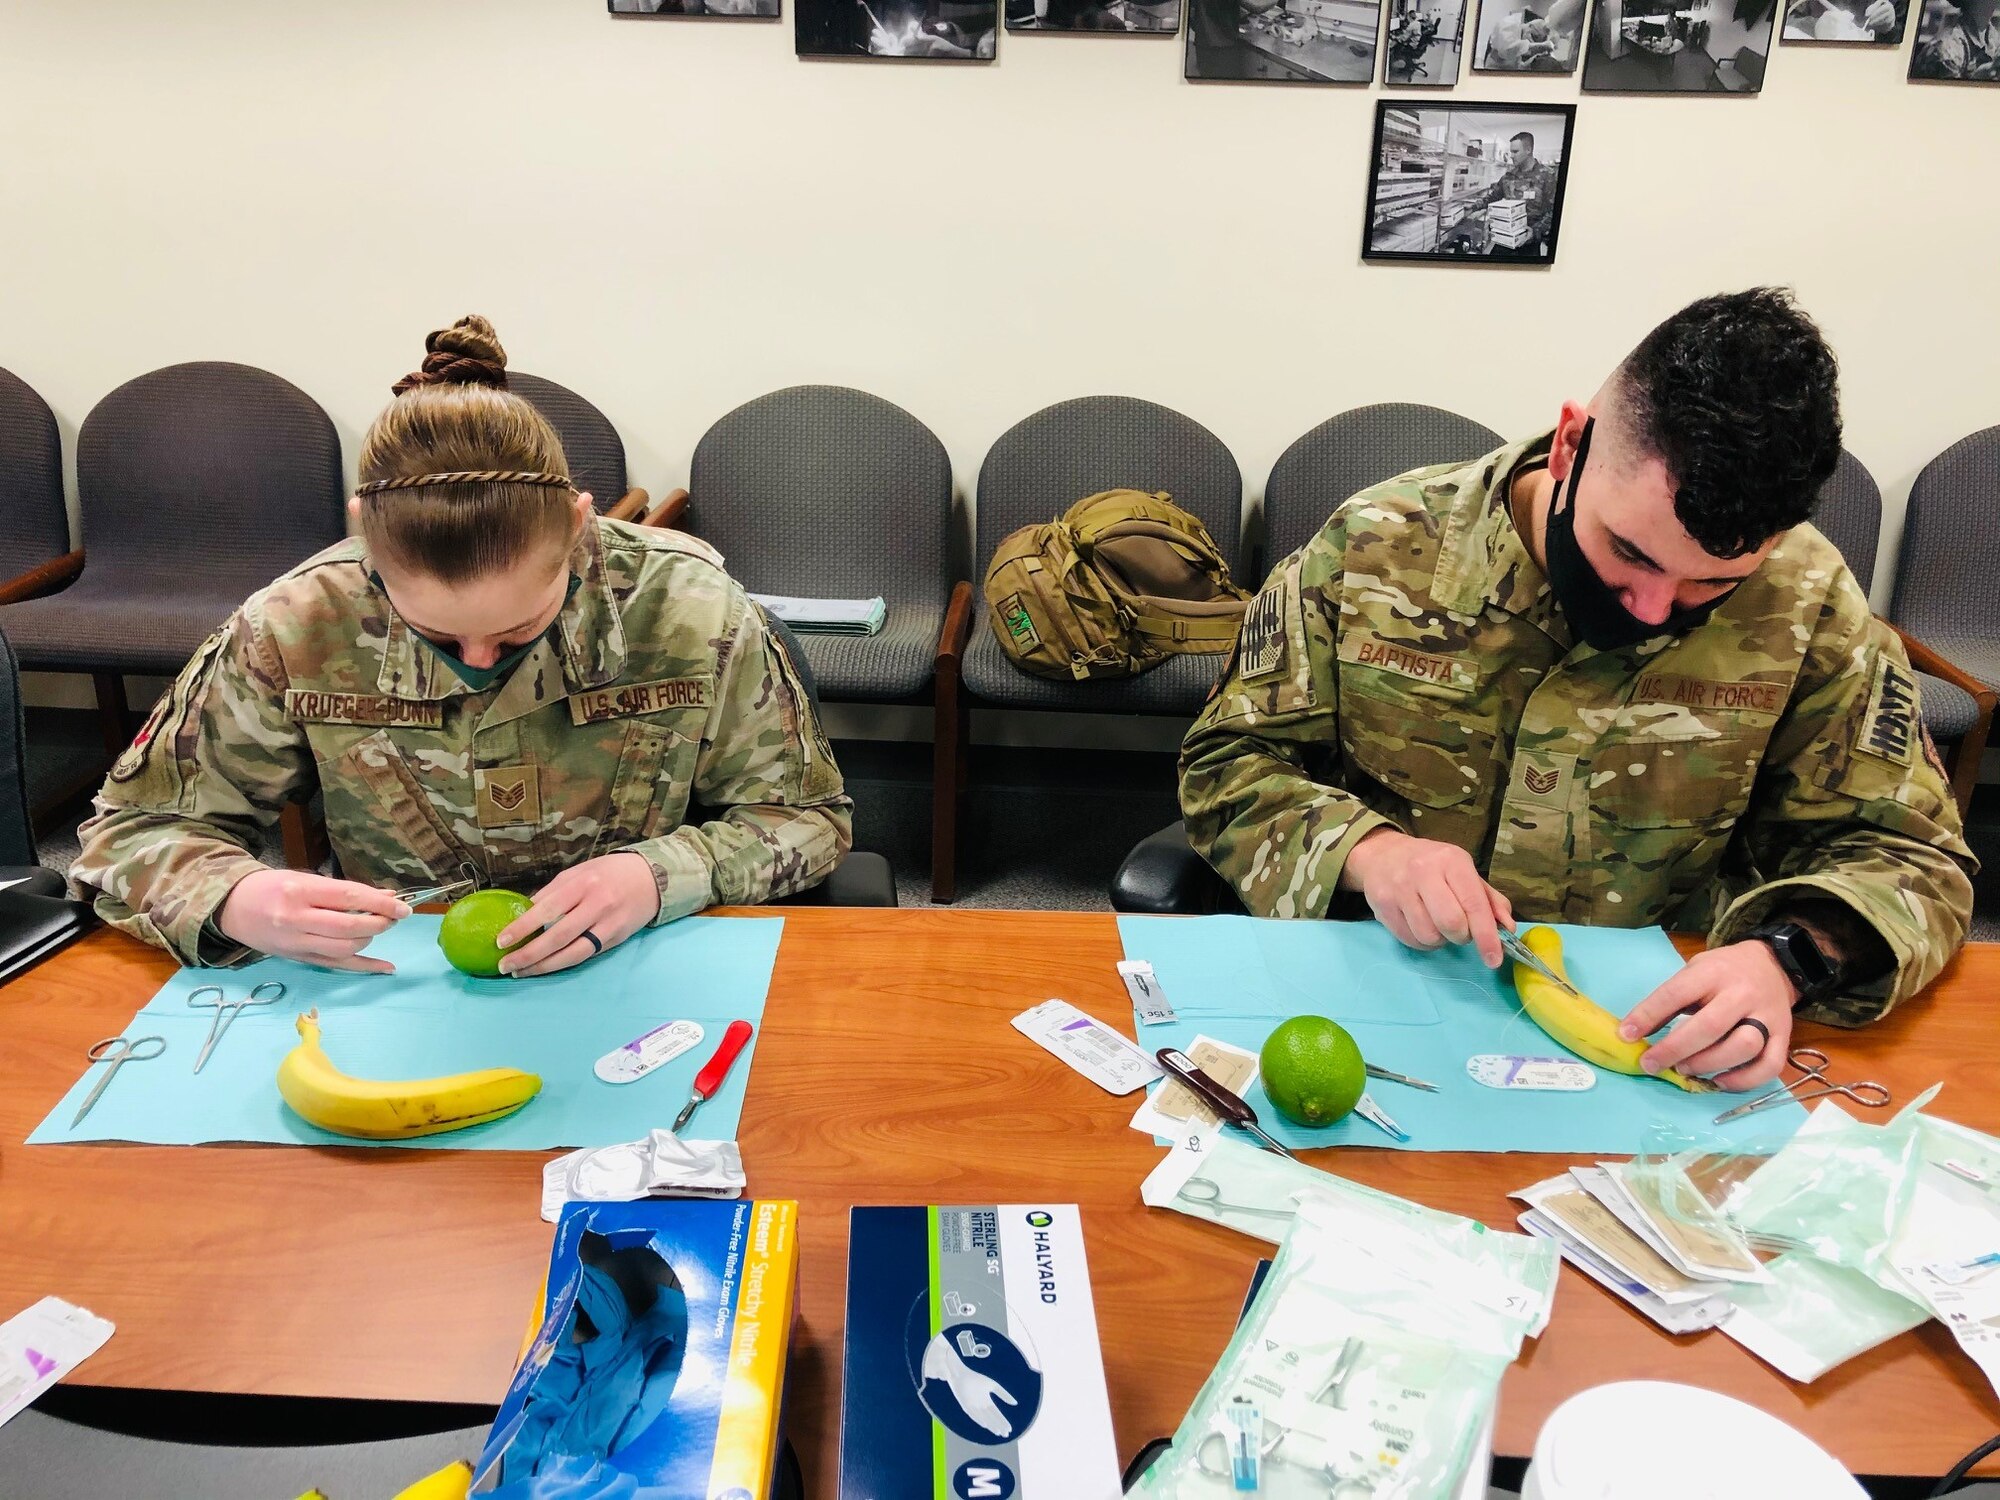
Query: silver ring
(597, 947)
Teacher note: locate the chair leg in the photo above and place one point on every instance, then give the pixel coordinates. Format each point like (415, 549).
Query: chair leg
(114, 714)
(948, 744)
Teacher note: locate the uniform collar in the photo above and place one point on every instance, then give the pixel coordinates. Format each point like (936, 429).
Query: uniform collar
(1482, 558)
(585, 650)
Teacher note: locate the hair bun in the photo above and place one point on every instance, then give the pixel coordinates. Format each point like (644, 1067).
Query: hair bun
(467, 353)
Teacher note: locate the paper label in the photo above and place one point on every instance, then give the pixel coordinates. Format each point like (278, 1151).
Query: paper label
(40, 1345)
(638, 1057)
(1511, 1071)
(1149, 1001)
(1108, 1059)
(1229, 1066)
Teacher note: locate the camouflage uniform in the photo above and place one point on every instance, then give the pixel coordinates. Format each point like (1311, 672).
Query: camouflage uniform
(1534, 184)
(1408, 667)
(659, 689)
(1958, 53)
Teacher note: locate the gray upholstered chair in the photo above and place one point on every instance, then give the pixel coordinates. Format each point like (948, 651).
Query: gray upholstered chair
(1345, 454)
(1339, 458)
(1943, 603)
(1035, 471)
(198, 484)
(595, 452)
(820, 491)
(35, 555)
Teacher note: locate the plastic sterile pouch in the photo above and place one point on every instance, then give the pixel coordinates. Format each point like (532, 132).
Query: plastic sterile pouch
(1364, 1368)
(1811, 1316)
(1227, 1182)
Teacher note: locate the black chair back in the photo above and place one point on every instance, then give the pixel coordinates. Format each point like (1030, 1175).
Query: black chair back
(595, 452)
(34, 524)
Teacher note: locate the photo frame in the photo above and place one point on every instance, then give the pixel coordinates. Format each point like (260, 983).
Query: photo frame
(1867, 23)
(1104, 17)
(1957, 43)
(1529, 36)
(1282, 41)
(1425, 43)
(937, 30)
(762, 10)
(1679, 46)
(1467, 183)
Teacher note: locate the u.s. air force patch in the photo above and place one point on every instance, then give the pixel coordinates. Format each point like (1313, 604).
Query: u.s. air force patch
(1891, 729)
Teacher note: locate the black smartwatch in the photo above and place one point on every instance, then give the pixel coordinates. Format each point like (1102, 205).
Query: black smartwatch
(1812, 973)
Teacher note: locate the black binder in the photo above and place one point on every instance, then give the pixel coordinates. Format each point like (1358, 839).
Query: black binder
(32, 927)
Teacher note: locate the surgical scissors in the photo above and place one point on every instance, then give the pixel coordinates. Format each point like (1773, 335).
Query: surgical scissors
(227, 1010)
(1204, 1190)
(1813, 1064)
(114, 1052)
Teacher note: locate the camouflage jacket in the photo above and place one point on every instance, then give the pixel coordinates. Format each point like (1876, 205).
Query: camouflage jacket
(1409, 667)
(658, 716)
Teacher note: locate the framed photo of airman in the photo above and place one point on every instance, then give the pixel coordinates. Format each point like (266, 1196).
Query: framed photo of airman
(1117, 17)
(1679, 46)
(1425, 43)
(761, 9)
(1283, 41)
(1528, 36)
(1869, 22)
(943, 30)
(1957, 43)
(1477, 184)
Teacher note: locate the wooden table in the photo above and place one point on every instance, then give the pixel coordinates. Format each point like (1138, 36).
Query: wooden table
(887, 1073)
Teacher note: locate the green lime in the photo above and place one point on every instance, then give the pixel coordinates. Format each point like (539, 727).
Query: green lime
(1312, 1070)
(470, 930)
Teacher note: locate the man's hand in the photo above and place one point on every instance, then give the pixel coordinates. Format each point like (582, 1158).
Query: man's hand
(612, 897)
(1722, 987)
(1427, 893)
(311, 918)
(1881, 18)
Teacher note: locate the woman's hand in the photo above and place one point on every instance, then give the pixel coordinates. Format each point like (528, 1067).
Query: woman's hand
(612, 896)
(311, 918)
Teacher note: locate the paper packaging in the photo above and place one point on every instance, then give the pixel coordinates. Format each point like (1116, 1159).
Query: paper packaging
(41, 1344)
(661, 1166)
(1107, 1058)
(972, 1364)
(698, 1296)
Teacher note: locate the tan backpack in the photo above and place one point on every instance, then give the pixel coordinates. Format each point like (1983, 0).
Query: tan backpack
(1123, 581)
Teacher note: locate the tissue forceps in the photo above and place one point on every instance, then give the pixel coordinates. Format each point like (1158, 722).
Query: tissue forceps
(1516, 948)
(1813, 1064)
(227, 1010)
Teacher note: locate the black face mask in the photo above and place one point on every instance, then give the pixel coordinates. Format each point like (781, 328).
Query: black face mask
(1589, 603)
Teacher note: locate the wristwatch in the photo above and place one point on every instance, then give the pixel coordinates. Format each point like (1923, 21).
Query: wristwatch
(1812, 973)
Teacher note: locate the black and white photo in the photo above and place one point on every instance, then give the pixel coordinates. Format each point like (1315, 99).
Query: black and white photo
(1424, 42)
(1679, 46)
(1528, 36)
(1144, 17)
(1957, 43)
(1481, 183)
(1878, 21)
(953, 30)
(1283, 41)
(761, 8)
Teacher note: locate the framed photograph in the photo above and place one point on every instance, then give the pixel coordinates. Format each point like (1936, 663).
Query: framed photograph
(1424, 42)
(1144, 17)
(949, 30)
(1957, 43)
(1283, 41)
(1679, 46)
(1876, 22)
(766, 9)
(1477, 183)
(1528, 36)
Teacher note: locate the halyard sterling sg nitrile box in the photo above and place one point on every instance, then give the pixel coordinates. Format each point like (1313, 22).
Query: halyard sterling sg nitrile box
(972, 1368)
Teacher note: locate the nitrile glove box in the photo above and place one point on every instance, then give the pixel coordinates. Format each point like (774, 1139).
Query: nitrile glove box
(972, 1369)
(658, 1368)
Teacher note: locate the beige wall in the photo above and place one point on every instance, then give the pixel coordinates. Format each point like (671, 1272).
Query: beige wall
(675, 216)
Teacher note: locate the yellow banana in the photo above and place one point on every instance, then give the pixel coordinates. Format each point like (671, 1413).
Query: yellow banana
(384, 1111)
(1583, 1026)
(452, 1482)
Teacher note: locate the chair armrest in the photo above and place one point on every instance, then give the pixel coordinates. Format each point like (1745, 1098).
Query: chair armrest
(630, 507)
(57, 572)
(1928, 661)
(1163, 876)
(669, 513)
(957, 629)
